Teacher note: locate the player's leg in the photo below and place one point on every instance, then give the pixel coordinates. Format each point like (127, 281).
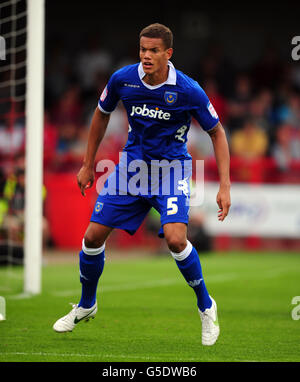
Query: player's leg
(91, 262)
(118, 211)
(187, 260)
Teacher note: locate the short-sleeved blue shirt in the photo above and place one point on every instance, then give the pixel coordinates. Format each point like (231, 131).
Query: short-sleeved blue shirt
(159, 116)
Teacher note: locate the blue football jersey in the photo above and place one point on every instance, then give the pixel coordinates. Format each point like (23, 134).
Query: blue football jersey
(159, 116)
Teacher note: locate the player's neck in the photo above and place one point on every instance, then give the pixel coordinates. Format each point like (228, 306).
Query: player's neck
(157, 77)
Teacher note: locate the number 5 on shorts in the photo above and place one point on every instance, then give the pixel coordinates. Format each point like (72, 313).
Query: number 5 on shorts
(172, 207)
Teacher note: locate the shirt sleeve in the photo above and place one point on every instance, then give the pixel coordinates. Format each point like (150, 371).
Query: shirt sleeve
(110, 96)
(202, 109)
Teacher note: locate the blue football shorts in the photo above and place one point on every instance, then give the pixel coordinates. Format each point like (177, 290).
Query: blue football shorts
(118, 207)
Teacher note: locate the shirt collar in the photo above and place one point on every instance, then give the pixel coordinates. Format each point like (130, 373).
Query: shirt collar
(171, 80)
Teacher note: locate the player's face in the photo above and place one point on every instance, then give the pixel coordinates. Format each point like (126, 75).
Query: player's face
(154, 55)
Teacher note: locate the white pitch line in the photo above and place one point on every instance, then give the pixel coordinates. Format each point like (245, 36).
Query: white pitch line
(20, 296)
(218, 278)
(146, 284)
(121, 287)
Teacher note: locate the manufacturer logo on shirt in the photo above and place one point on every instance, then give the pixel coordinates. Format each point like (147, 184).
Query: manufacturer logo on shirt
(155, 113)
(131, 85)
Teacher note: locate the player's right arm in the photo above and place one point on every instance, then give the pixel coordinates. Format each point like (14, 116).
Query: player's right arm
(107, 103)
(86, 176)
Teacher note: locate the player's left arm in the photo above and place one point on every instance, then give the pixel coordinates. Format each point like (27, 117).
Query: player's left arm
(221, 149)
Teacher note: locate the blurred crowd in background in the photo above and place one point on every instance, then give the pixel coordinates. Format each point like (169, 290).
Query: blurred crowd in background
(259, 108)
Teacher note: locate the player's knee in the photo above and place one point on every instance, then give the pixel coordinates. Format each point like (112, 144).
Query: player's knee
(91, 241)
(176, 243)
(96, 235)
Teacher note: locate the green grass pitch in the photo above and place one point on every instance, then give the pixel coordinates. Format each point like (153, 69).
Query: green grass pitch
(148, 313)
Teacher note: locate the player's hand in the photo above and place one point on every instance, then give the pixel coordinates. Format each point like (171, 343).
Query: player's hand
(85, 178)
(223, 201)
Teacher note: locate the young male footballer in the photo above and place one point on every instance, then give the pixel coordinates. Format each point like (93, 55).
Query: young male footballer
(160, 102)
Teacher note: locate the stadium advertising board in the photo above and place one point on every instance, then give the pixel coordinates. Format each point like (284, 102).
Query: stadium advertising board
(265, 210)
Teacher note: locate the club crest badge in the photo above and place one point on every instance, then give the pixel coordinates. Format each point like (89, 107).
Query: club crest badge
(98, 207)
(170, 97)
